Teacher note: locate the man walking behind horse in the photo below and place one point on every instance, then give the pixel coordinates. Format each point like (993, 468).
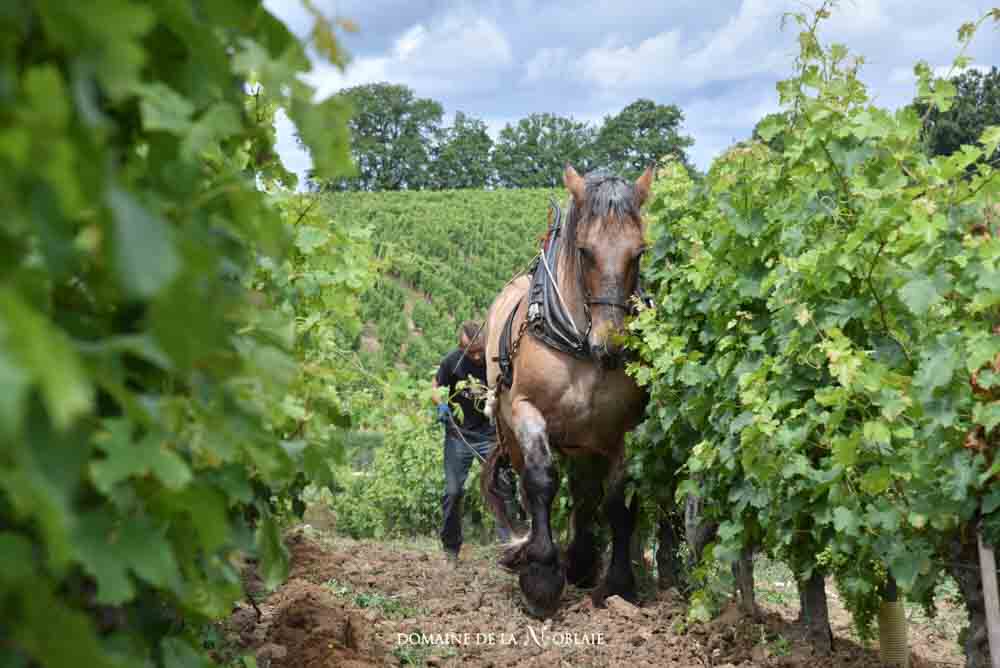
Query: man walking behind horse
(467, 436)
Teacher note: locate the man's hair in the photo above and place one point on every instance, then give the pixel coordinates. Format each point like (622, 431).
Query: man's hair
(471, 330)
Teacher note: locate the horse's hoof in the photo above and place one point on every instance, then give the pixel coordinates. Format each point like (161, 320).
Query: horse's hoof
(542, 586)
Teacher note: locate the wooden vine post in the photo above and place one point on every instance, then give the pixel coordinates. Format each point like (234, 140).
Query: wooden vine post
(991, 598)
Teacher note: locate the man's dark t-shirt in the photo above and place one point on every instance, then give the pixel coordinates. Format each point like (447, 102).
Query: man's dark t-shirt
(448, 376)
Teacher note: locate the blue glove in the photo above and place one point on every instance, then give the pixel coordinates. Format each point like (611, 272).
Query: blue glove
(444, 412)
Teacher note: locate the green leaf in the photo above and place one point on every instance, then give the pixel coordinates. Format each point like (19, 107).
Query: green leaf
(937, 367)
(55, 634)
(15, 383)
(164, 109)
(126, 459)
(178, 653)
(42, 353)
(987, 414)
(106, 566)
(273, 554)
(991, 501)
(845, 450)
(877, 433)
(219, 122)
(145, 257)
(990, 139)
(876, 480)
(17, 560)
(323, 129)
(905, 567)
(920, 293)
(845, 521)
(148, 553)
(308, 238)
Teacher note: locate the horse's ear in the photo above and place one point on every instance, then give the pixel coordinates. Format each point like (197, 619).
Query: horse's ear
(575, 184)
(642, 185)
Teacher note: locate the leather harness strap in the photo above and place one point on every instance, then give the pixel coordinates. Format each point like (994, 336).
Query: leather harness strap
(504, 357)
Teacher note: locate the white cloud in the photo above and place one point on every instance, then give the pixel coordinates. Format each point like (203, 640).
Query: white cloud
(746, 45)
(547, 63)
(614, 66)
(293, 14)
(718, 61)
(906, 75)
(857, 18)
(410, 42)
(453, 53)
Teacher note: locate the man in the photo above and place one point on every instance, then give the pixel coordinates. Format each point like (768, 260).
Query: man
(467, 436)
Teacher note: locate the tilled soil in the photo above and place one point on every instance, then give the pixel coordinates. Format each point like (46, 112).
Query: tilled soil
(364, 603)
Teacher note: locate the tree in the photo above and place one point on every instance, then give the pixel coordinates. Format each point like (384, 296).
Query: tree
(461, 155)
(639, 135)
(975, 106)
(391, 135)
(532, 153)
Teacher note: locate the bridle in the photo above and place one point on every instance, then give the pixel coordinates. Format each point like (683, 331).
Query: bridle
(571, 340)
(628, 305)
(548, 317)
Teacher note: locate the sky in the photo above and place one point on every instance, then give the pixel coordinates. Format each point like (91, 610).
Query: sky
(718, 60)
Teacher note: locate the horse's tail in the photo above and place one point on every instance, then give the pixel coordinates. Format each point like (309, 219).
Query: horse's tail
(489, 482)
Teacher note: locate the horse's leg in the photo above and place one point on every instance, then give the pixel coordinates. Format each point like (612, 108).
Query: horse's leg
(542, 578)
(586, 484)
(619, 579)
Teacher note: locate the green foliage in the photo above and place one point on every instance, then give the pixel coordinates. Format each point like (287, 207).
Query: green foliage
(532, 153)
(397, 143)
(399, 493)
(443, 257)
(391, 134)
(974, 108)
(820, 302)
(157, 411)
(461, 155)
(642, 134)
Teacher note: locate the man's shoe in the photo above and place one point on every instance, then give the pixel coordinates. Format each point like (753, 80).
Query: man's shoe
(451, 557)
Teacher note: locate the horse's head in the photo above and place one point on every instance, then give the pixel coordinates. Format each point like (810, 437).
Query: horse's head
(606, 242)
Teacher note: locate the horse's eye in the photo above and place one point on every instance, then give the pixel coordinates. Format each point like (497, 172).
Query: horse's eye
(585, 253)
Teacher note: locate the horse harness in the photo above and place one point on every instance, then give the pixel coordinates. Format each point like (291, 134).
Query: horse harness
(548, 318)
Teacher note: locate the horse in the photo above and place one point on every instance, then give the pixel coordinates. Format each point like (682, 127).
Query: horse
(559, 386)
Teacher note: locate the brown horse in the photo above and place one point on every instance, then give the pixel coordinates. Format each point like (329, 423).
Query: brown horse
(577, 402)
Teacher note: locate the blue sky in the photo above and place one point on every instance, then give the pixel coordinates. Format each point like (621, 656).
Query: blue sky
(718, 60)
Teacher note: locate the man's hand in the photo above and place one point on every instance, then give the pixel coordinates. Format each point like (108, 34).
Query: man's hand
(444, 413)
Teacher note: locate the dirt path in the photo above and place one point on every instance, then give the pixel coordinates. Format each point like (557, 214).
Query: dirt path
(364, 603)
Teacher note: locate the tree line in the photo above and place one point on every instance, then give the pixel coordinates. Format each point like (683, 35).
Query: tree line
(399, 142)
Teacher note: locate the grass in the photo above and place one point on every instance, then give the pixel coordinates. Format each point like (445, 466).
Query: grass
(391, 607)
(417, 655)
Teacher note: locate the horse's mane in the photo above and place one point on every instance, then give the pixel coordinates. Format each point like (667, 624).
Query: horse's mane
(610, 199)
